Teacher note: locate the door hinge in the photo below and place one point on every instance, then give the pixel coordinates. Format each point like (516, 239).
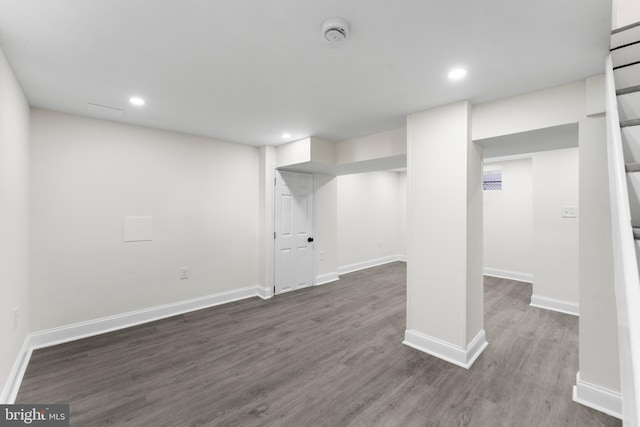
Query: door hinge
(274, 234)
(275, 180)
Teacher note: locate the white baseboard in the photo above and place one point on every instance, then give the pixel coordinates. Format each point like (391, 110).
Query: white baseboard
(12, 386)
(598, 398)
(511, 275)
(112, 323)
(554, 304)
(265, 292)
(447, 351)
(323, 279)
(371, 263)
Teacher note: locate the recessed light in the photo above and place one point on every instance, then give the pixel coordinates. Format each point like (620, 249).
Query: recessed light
(136, 100)
(457, 73)
(286, 135)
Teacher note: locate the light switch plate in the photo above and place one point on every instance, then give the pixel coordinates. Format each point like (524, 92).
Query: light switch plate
(569, 212)
(138, 228)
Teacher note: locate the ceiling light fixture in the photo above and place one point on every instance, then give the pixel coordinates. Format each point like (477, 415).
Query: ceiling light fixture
(286, 135)
(335, 30)
(137, 101)
(457, 73)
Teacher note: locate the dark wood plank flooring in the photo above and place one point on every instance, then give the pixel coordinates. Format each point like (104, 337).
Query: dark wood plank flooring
(327, 356)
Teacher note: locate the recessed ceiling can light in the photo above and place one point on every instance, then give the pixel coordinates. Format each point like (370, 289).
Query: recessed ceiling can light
(137, 101)
(457, 73)
(286, 135)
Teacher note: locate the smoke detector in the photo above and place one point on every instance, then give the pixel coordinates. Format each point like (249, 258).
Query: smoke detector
(335, 30)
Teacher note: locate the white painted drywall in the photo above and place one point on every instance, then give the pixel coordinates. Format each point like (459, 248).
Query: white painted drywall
(594, 95)
(475, 240)
(266, 168)
(402, 215)
(322, 151)
(442, 260)
(380, 145)
(326, 225)
(625, 12)
(508, 221)
(536, 110)
(555, 239)
(88, 174)
(598, 344)
(294, 153)
(14, 218)
(370, 217)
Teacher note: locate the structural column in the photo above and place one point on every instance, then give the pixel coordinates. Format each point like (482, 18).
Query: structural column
(444, 244)
(266, 168)
(598, 381)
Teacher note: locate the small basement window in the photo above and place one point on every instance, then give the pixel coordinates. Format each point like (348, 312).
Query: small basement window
(492, 180)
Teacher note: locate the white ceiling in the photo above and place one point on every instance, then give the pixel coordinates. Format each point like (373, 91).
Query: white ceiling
(248, 70)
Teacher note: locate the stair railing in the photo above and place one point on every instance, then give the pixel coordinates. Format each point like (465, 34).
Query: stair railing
(627, 282)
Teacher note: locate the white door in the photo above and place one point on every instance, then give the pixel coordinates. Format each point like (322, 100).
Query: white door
(293, 231)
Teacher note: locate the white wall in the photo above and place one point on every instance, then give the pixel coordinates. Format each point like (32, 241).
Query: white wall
(625, 12)
(535, 110)
(402, 214)
(508, 222)
(526, 237)
(14, 219)
(371, 217)
(555, 239)
(380, 145)
(326, 226)
(598, 348)
(88, 174)
(294, 152)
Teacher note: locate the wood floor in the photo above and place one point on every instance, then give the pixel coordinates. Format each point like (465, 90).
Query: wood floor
(327, 356)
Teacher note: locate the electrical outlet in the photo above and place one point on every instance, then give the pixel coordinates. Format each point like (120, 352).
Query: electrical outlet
(16, 317)
(321, 255)
(184, 273)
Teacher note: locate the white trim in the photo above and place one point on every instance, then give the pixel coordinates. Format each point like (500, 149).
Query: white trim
(446, 351)
(511, 275)
(12, 386)
(323, 279)
(103, 325)
(598, 398)
(265, 292)
(554, 304)
(350, 268)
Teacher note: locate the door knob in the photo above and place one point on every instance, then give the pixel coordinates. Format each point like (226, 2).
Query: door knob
(310, 239)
